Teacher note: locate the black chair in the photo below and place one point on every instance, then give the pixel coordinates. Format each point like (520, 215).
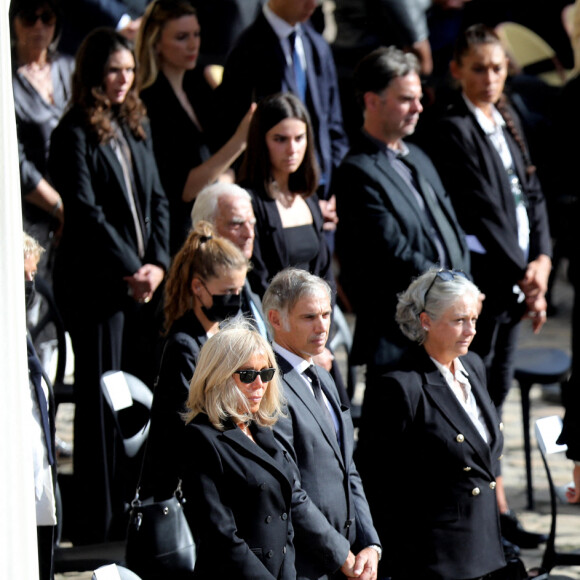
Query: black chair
(547, 431)
(543, 366)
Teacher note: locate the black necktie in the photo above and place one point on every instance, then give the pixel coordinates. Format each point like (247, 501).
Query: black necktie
(440, 220)
(35, 372)
(299, 72)
(311, 373)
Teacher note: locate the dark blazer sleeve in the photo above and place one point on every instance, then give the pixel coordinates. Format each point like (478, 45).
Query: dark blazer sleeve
(165, 448)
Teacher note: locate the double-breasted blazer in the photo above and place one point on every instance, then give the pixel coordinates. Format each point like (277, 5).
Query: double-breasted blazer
(333, 516)
(99, 242)
(480, 190)
(436, 509)
(270, 247)
(383, 240)
(256, 68)
(238, 506)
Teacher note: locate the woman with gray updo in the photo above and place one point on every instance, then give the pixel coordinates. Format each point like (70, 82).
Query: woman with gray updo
(432, 419)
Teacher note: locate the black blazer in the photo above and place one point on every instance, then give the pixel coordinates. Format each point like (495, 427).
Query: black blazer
(256, 67)
(477, 182)
(383, 240)
(99, 244)
(178, 143)
(166, 447)
(238, 502)
(436, 510)
(332, 515)
(270, 250)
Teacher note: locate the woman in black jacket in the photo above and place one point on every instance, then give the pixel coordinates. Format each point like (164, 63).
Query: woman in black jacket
(113, 253)
(203, 288)
(237, 480)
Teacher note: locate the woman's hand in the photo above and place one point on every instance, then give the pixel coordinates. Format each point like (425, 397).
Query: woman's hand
(144, 282)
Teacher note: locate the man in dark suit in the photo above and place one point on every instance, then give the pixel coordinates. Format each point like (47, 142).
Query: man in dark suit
(395, 218)
(334, 523)
(262, 63)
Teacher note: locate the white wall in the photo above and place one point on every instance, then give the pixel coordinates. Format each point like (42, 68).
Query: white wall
(18, 556)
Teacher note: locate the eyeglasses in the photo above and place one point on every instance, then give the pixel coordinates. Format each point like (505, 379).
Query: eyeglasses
(248, 376)
(29, 17)
(446, 276)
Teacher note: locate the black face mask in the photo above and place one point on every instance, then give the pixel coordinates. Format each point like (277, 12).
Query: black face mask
(29, 292)
(224, 306)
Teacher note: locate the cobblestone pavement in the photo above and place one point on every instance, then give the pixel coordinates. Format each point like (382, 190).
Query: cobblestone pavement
(544, 402)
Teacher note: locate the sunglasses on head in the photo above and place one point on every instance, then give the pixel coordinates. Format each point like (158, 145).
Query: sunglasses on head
(249, 375)
(446, 276)
(30, 17)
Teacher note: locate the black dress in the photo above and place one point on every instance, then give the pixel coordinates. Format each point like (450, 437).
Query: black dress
(179, 144)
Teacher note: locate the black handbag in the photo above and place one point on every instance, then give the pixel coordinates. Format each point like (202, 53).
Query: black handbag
(159, 541)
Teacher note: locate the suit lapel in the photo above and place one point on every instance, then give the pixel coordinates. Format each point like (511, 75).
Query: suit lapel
(311, 76)
(406, 195)
(295, 383)
(264, 451)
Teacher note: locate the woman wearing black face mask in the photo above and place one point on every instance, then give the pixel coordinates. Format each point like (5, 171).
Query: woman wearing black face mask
(203, 289)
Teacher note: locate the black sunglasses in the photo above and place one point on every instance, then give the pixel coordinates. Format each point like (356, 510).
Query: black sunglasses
(248, 376)
(446, 276)
(30, 17)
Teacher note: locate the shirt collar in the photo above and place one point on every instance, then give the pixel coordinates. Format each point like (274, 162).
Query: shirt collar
(401, 152)
(279, 25)
(489, 126)
(296, 362)
(461, 375)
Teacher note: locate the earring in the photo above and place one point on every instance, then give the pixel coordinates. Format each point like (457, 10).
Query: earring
(425, 328)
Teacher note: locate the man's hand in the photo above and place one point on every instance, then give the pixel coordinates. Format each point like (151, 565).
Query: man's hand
(365, 565)
(145, 281)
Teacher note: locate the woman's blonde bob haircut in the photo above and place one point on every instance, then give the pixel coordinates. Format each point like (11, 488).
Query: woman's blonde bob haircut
(440, 295)
(213, 390)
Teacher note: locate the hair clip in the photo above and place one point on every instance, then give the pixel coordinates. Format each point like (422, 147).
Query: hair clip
(204, 239)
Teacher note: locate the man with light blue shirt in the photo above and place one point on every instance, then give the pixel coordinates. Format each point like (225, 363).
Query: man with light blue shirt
(281, 52)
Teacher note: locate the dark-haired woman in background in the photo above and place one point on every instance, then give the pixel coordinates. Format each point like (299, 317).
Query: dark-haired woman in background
(281, 173)
(41, 81)
(482, 156)
(113, 253)
(180, 105)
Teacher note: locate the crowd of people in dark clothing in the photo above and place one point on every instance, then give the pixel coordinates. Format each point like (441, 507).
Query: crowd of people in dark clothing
(211, 182)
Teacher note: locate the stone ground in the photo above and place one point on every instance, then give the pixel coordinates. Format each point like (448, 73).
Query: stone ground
(544, 402)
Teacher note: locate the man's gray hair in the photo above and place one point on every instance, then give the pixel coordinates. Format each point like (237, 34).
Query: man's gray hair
(206, 203)
(288, 287)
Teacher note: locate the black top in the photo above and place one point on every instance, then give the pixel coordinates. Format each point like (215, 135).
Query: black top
(178, 143)
(303, 245)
